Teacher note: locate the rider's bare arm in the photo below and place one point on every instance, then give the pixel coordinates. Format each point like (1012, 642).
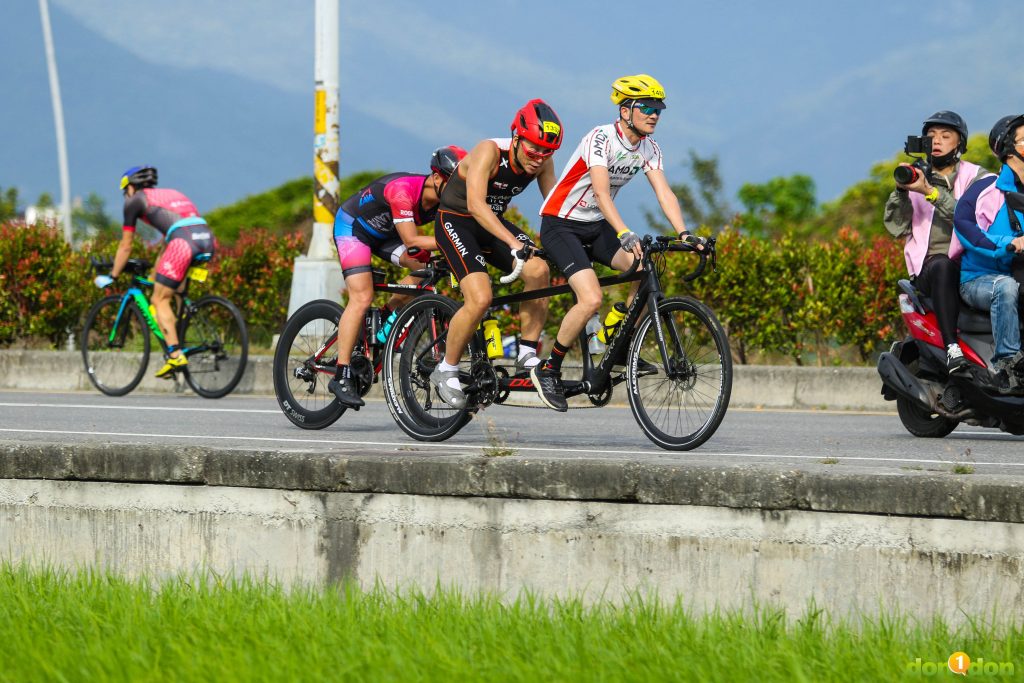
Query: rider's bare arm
(124, 252)
(411, 237)
(546, 177)
(667, 199)
(482, 162)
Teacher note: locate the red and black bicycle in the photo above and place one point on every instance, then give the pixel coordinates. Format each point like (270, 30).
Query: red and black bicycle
(307, 356)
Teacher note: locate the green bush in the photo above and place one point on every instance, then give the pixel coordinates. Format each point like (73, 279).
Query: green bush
(256, 274)
(45, 285)
(787, 296)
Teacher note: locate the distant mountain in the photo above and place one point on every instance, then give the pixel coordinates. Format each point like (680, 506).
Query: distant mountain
(211, 134)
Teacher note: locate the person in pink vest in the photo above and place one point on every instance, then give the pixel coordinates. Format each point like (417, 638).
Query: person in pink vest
(922, 212)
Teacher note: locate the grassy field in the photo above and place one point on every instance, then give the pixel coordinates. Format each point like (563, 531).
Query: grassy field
(58, 626)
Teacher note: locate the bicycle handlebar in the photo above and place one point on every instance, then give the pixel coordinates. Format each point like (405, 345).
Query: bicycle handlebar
(663, 243)
(520, 263)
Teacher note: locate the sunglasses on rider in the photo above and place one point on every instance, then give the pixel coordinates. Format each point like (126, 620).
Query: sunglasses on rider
(647, 110)
(536, 153)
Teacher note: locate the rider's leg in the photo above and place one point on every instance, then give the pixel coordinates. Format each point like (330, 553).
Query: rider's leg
(533, 314)
(476, 292)
(360, 296)
(171, 270)
(162, 298)
(354, 256)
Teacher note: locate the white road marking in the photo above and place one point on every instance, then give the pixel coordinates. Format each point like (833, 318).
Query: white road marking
(411, 445)
(103, 407)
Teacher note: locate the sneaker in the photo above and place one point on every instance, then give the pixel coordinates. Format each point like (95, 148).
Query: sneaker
(346, 391)
(525, 363)
(549, 387)
(171, 366)
(955, 361)
(451, 395)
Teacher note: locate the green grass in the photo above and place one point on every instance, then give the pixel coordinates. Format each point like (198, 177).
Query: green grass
(60, 626)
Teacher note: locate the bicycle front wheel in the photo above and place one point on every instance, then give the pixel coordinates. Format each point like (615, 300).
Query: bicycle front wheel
(414, 348)
(115, 345)
(215, 340)
(681, 404)
(305, 361)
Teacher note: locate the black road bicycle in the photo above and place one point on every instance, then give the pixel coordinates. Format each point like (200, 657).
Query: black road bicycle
(671, 351)
(116, 345)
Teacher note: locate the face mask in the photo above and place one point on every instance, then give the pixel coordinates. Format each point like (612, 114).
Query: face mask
(946, 160)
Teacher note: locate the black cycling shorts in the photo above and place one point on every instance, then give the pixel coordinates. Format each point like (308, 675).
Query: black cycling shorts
(389, 248)
(574, 245)
(468, 247)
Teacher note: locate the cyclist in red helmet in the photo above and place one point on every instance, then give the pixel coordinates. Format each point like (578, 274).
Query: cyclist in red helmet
(473, 232)
(381, 219)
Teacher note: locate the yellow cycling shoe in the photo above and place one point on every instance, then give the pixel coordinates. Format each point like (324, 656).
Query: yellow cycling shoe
(172, 365)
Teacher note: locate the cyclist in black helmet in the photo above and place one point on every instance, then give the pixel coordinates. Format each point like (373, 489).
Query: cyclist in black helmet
(381, 219)
(189, 240)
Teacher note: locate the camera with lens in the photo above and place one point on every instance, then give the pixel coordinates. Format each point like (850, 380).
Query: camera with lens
(916, 144)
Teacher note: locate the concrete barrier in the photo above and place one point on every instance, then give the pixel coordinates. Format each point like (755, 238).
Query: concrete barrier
(715, 537)
(754, 386)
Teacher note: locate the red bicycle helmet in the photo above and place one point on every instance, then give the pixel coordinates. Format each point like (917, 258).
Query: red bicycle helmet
(538, 123)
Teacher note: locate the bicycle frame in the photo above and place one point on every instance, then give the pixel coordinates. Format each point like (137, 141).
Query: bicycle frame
(597, 378)
(137, 294)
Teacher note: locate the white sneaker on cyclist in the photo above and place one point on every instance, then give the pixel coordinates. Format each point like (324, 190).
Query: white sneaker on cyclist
(447, 384)
(526, 362)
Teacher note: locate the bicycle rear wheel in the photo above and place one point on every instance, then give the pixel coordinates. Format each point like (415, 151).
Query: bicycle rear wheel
(414, 348)
(115, 345)
(679, 406)
(305, 361)
(216, 341)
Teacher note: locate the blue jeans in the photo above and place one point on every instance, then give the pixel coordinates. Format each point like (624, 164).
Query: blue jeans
(997, 294)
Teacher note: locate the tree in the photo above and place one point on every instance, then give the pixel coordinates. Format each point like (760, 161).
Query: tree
(91, 220)
(706, 206)
(8, 203)
(778, 206)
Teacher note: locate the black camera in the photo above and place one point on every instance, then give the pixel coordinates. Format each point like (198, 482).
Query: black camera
(916, 144)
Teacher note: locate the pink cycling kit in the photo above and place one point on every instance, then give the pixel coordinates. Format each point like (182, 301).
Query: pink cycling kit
(175, 217)
(366, 221)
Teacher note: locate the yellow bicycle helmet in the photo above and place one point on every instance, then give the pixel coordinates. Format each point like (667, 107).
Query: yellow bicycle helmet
(636, 87)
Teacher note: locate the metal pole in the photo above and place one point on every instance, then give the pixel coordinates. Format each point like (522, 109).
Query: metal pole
(325, 129)
(58, 121)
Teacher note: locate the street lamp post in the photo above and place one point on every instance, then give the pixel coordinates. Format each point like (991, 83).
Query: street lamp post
(58, 121)
(318, 274)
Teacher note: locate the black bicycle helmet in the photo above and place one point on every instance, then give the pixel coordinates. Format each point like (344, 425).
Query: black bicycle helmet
(1000, 138)
(444, 160)
(949, 119)
(139, 176)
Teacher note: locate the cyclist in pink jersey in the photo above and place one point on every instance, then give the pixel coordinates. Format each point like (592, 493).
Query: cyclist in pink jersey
(188, 240)
(381, 219)
(580, 222)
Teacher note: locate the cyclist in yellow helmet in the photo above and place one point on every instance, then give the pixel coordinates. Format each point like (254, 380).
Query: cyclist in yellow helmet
(580, 222)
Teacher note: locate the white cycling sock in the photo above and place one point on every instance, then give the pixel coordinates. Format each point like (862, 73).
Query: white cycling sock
(452, 382)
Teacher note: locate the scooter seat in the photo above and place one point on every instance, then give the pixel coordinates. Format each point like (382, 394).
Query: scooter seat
(973, 320)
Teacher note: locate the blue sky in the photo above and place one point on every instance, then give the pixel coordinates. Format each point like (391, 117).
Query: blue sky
(219, 95)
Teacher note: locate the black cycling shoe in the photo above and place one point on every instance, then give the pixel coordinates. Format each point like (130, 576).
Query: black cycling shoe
(344, 389)
(645, 368)
(549, 387)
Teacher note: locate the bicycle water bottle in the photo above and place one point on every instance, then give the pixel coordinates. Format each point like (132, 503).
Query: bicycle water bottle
(493, 336)
(385, 330)
(612, 321)
(594, 345)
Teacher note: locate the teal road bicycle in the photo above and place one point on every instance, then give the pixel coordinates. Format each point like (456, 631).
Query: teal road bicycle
(116, 336)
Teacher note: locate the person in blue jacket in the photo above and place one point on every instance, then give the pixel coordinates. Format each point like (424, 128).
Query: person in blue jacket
(987, 221)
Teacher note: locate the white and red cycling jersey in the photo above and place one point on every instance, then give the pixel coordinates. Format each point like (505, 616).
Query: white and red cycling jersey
(573, 195)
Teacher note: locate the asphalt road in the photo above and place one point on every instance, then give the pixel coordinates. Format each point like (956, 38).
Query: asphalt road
(784, 438)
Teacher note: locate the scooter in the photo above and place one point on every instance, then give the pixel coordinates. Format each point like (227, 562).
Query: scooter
(930, 401)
